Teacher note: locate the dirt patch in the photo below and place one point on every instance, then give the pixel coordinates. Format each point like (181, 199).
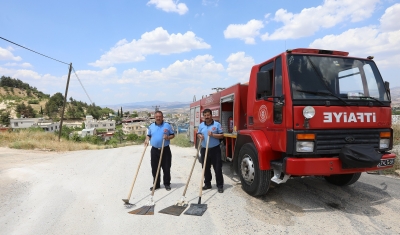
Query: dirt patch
(13, 157)
(271, 208)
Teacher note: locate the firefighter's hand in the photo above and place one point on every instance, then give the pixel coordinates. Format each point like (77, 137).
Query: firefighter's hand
(210, 133)
(165, 137)
(146, 142)
(200, 136)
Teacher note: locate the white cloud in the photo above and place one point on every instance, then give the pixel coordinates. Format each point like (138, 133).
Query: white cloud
(201, 68)
(43, 82)
(371, 40)
(6, 54)
(181, 79)
(27, 74)
(158, 41)
(23, 65)
(390, 21)
(104, 76)
(170, 6)
(246, 32)
(310, 20)
(239, 66)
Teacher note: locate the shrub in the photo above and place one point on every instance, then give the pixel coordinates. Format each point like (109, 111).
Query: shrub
(132, 137)
(33, 102)
(141, 138)
(35, 129)
(181, 140)
(113, 142)
(76, 138)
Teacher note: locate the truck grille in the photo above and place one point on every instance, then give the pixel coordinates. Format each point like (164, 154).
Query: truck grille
(332, 141)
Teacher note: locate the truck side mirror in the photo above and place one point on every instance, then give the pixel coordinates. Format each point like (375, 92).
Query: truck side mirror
(263, 84)
(387, 88)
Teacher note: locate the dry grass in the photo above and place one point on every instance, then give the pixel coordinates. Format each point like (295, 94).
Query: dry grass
(396, 134)
(396, 150)
(33, 139)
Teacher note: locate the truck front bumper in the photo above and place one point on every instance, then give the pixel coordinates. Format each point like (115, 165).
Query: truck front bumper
(329, 166)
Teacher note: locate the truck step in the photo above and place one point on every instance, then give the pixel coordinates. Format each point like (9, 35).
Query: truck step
(278, 167)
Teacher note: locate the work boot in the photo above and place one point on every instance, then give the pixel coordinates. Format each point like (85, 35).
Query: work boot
(168, 187)
(220, 189)
(205, 187)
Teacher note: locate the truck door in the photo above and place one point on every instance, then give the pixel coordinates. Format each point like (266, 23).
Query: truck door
(268, 108)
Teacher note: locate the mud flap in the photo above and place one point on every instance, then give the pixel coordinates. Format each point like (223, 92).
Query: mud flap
(359, 156)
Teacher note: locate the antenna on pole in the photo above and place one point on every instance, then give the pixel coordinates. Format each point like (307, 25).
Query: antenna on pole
(156, 108)
(217, 89)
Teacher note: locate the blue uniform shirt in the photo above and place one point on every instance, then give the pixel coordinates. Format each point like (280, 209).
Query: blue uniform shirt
(156, 133)
(214, 127)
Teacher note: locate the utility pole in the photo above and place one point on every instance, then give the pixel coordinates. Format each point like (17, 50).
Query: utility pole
(65, 101)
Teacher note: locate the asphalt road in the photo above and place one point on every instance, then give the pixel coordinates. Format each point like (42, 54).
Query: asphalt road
(80, 193)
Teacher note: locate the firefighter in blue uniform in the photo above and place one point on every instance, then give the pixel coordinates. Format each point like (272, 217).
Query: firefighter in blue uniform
(213, 129)
(156, 132)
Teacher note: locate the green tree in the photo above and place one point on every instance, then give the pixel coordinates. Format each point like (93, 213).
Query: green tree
(132, 137)
(105, 112)
(5, 117)
(72, 112)
(119, 135)
(25, 110)
(117, 119)
(94, 111)
(134, 114)
(121, 113)
(54, 104)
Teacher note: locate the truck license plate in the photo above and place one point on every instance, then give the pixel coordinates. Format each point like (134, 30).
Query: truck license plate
(386, 162)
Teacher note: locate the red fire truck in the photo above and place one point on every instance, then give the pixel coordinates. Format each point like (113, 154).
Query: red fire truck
(304, 112)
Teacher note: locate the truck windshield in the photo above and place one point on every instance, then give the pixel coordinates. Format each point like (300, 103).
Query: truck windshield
(344, 79)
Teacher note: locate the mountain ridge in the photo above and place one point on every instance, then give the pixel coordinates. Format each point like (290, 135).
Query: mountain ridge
(171, 106)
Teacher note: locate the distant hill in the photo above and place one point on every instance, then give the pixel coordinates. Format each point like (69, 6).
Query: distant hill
(395, 93)
(150, 106)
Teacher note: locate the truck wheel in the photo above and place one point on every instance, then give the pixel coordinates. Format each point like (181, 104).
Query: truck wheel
(254, 181)
(344, 179)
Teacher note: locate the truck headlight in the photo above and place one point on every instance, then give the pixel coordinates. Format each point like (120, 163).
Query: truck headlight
(384, 143)
(304, 146)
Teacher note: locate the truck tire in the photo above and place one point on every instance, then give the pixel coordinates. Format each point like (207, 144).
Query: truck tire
(344, 179)
(255, 182)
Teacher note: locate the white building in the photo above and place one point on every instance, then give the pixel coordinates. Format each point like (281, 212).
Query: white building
(90, 122)
(46, 125)
(17, 123)
(85, 132)
(137, 128)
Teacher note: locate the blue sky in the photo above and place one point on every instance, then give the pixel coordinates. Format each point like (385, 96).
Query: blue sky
(134, 51)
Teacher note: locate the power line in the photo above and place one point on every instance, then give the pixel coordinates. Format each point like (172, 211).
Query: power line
(33, 51)
(82, 85)
(52, 59)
